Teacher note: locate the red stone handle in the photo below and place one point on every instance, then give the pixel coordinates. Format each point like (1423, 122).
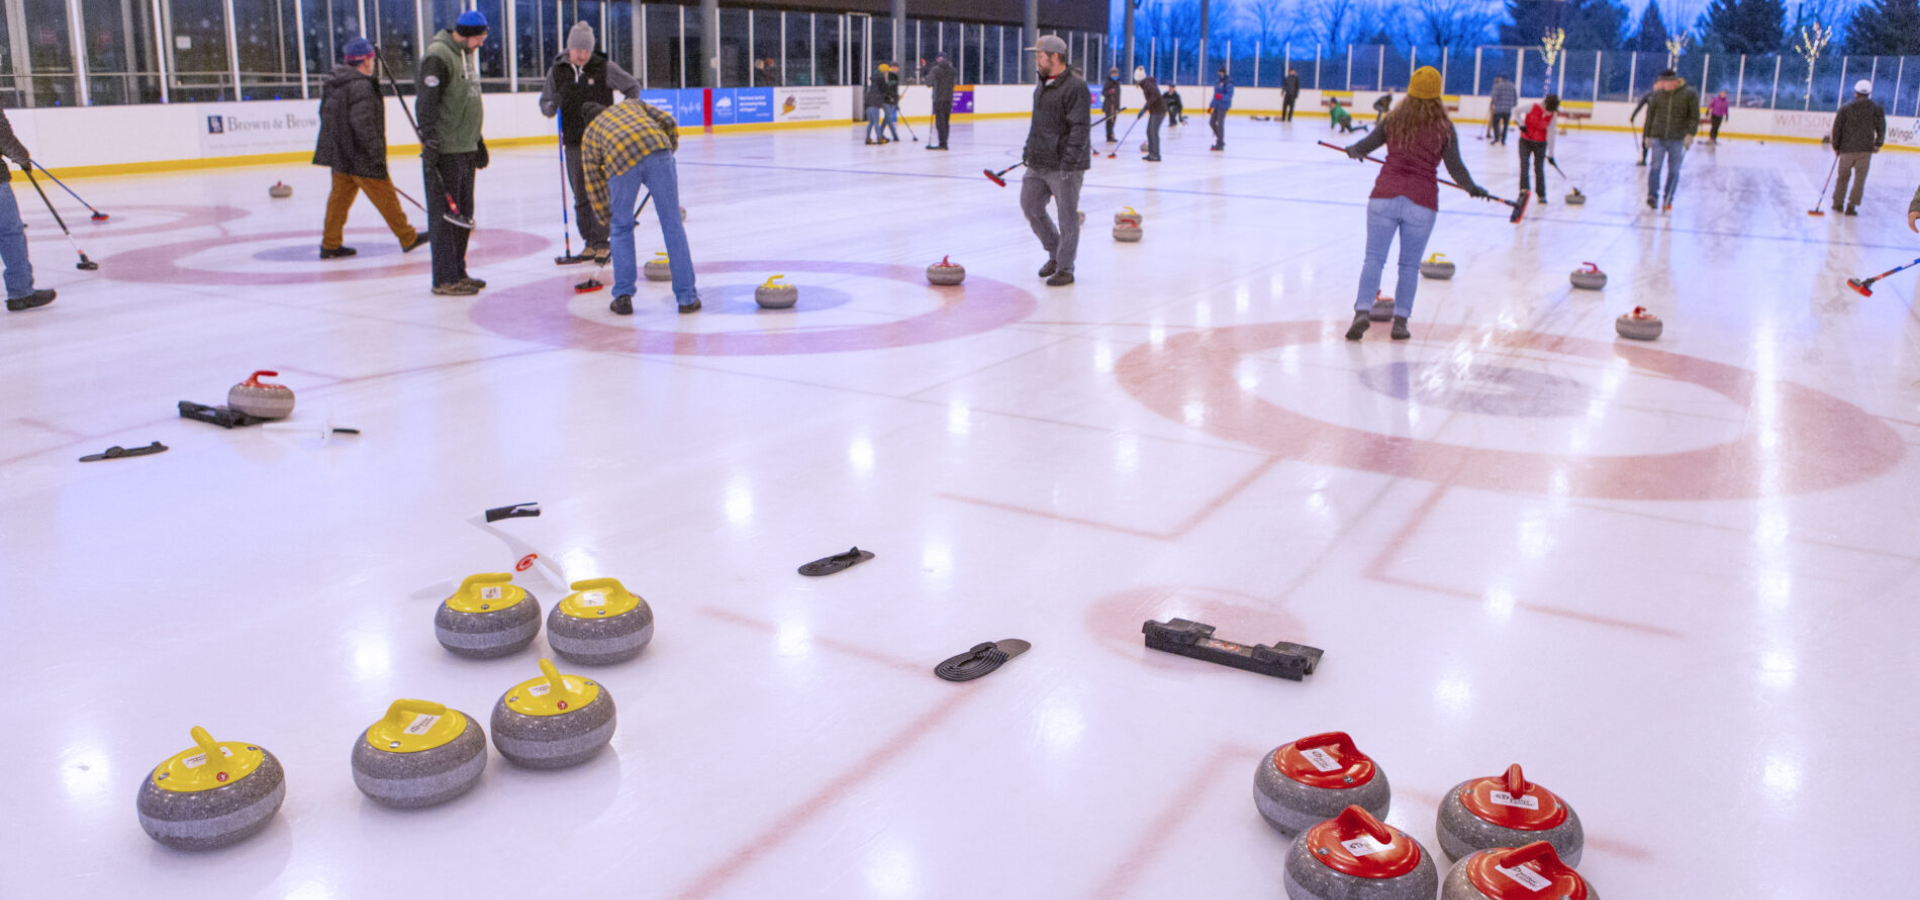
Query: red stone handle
(1337, 739)
(1354, 820)
(1516, 781)
(254, 379)
(1537, 852)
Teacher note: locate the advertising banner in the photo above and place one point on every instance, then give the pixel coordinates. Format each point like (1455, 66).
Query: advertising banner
(240, 129)
(963, 99)
(804, 104)
(752, 106)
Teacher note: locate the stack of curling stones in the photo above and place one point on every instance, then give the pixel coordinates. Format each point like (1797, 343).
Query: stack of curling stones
(774, 295)
(657, 268)
(946, 272)
(1533, 872)
(280, 191)
(211, 795)
(1382, 310)
(1437, 267)
(1126, 227)
(553, 721)
(601, 622)
(1589, 278)
(1312, 779)
(487, 617)
(1354, 856)
(256, 398)
(420, 754)
(1507, 811)
(1638, 325)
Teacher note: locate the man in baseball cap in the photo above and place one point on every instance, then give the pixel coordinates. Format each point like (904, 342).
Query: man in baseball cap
(1057, 157)
(1859, 129)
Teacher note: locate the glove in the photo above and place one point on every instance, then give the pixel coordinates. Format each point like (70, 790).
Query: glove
(480, 158)
(1913, 221)
(1686, 143)
(1478, 193)
(429, 146)
(1354, 154)
(1551, 162)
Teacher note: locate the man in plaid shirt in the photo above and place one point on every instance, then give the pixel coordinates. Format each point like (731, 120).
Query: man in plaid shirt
(630, 146)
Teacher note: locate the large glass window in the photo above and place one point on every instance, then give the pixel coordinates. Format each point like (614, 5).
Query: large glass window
(736, 57)
(827, 51)
(198, 59)
(766, 48)
(121, 64)
(267, 38)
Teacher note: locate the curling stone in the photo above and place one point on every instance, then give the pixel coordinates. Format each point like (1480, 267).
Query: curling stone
(1532, 872)
(946, 272)
(1506, 811)
(1437, 267)
(211, 795)
(1589, 278)
(1382, 310)
(1576, 198)
(280, 191)
(657, 268)
(421, 754)
(259, 399)
(553, 721)
(1354, 856)
(601, 622)
(487, 617)
(1639, 325)
(1127, 234)
(774, 295)
(1312, 779)
(1128, 212)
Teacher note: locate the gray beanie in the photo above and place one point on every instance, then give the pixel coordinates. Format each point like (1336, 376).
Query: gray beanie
(581, 37)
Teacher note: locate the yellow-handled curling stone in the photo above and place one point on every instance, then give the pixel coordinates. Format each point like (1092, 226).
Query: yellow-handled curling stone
(418, 755)
(774, 295)
(211, 795)
(1311, 780)
(553, 721)
(658, 268)
(487, 617)
(1437, 267)
(601, 622)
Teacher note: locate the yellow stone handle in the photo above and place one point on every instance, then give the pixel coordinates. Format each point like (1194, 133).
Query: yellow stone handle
(401, 713)
(474, 583)
(1129, 210)
(660, 256)
(554, 679)
(774, 281)
(1437, 257)
(215, 759)
(600, 584)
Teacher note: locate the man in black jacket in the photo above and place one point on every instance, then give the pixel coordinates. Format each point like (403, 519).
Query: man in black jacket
(1290, 92)
(1155, 108)
(1859, 130)
(579, 77)
(875, 100)
(353, 143)
(941, 78)
(1110, 100)
(1057, 157)
(21, 294)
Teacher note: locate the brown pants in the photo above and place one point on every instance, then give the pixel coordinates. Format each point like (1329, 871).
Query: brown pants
(380, 191)
(1853, 167)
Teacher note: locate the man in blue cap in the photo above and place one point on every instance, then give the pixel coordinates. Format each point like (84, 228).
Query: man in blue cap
(451, 147)
(353, 143)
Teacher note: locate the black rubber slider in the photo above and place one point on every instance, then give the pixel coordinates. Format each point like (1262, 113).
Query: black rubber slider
(981, 660)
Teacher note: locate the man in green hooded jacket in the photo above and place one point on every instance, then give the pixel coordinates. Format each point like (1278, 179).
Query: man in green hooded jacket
(1673, 118)
(451, 147)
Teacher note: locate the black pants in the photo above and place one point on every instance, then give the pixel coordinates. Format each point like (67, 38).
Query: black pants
(1537, 150)
(592, 230)
(1286, 107)
(1219, 122)
(1499, 126)
(1111, 114)
(942, 113)
(453, 175)
(1715, 136)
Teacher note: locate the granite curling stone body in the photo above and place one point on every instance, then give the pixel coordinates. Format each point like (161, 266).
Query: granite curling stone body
(658, 268)
(487, 618)
(420, 754)
(775, 295)
(1588, 278)
(1532, 872)
(1311, 780)
(1437, 267)
(1638, 325)
(1507, 811)
(553, 721)
(1355, 857)
(1382, 310)
(601, 622)
(946, 272)
(212, 795)
(260, 399)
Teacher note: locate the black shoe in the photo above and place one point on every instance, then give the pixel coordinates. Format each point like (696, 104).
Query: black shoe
(420, 239)
(477, 284)
(941, 147)
(869, 142)
(1852, 211)
(1060, 279)
(1839, 209)
(1542, 199)
(1218, 147)
(1653, 204)
(1359, 327)
(455, 289)
(1049, 268)
(337, 252)
(622, 305)
(1149, 159)
(38, 298)
(1400, 332)
(690, 307)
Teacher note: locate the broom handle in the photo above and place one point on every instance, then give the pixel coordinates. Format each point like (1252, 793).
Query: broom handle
(1436, 178)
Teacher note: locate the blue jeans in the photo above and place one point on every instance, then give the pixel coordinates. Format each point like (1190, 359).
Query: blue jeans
(873, 124)
(1415, 224)
(654, 172)
(893, 115)
(13, 247)
(1673, 151)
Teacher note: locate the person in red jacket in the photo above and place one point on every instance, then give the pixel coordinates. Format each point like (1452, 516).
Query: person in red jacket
(1406, 196)
(1536, 143)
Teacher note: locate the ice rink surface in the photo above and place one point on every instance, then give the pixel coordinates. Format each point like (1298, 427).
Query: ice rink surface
(1673, 580)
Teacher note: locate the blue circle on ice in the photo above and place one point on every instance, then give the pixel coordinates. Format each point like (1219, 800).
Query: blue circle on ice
(1481, 390)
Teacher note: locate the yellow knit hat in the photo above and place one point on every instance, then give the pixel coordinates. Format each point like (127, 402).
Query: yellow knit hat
(1425, 84)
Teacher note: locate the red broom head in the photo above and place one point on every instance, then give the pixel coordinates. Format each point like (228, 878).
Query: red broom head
(587, 287)
(99, 217)
(1816, 212)
(994, 177)
(1863, 288)
(1520, 207)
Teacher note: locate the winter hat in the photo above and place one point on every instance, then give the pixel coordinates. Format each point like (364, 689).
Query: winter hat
(470, 23)
(581, 37)
(1425, 84)
(1139, 72)
(1863, 87)
(357, 50)
(1668, 73)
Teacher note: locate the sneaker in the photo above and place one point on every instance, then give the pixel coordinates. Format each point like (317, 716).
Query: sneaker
(869, 142)
(1542, 199)
(337, 252)
(690, 307)
(1049, 268)
(38, 298)
(477, 284)
(1400, 332)
(622, 305)
(1838, 208)
(1150, 158)
(420, 239)
(1667, 208)
(1359, 327)
(1653, 203)
(1852, 211)
(1060, 279)
(456, 289)
(1218, 147)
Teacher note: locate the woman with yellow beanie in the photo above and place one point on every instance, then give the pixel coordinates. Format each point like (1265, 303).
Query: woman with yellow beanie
(1406, 197)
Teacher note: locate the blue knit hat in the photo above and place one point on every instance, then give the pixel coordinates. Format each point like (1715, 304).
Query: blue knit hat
(470, 23)
(357, 49)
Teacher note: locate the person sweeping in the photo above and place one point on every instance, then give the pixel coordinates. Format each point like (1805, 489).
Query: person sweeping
(578, 77)
(1406, 196)
(21, 294)
(1536, 143)
(353, 143)
(629, 148)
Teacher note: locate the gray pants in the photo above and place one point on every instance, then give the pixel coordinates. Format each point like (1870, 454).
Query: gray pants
(592, 230)
(1853, 167)
(1062, 243)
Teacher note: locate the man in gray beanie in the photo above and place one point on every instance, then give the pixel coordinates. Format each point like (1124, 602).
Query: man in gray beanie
(581, 76)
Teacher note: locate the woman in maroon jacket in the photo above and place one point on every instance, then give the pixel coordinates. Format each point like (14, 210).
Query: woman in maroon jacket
(1406, 197)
